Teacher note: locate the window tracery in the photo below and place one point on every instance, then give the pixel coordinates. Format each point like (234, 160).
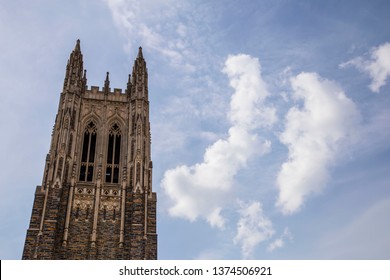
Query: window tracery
(88, 153)
(113, 154)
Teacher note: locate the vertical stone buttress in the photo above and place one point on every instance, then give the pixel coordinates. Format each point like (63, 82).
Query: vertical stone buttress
(96, 199)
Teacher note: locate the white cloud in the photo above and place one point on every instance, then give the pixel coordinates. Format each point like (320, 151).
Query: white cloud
(276, 244)
(245, 105)
(253, 227)
(279, 242)
(378, 67)
(201, 190)
(313, 135)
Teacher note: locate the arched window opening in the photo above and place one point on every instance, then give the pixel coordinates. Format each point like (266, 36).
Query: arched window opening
(113, 154)
(88, 153)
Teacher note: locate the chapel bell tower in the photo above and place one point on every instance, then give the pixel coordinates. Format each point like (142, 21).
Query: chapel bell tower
(96, 199)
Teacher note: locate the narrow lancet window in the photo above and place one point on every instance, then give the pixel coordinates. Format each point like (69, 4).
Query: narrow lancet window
(88, 153)
(113, 154)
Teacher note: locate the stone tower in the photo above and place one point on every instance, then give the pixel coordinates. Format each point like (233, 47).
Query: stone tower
(96, 199)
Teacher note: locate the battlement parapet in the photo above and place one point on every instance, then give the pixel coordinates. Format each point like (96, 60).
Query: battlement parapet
(94, 92)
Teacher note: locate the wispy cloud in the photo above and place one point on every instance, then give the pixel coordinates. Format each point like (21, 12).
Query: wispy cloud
(253, 227)
(365, 236)
(281, 241)
(313, 134)
(202, 189)
(161, 26)
(176, 36)
(378, 67)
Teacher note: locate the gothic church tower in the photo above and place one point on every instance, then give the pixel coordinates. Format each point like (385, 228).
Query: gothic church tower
(96, 199)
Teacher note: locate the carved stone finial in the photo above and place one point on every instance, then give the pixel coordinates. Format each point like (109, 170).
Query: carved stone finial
(129, 85)
(107, 84)
(77, 47)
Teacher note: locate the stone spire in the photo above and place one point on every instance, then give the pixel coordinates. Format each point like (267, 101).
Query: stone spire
(140, 77)
(74, 78)
(140, 53)
(107, 84)
(77, 47)
(85, 79)
(140, 58)
(129, 86)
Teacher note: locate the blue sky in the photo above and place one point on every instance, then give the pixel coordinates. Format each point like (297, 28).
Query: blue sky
(270, 119)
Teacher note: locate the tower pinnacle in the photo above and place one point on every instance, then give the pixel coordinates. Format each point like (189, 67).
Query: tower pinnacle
(140, 53)
(77, 47)
(107, 84)
(129, 85)
(140, 77)
(74, 71)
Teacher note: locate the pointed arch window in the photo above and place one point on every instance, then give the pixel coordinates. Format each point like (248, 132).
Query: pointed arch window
(88, 153)
(113, 154)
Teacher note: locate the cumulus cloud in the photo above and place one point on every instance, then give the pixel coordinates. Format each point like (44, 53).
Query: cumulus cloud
(279, 242)
(201, 190)
(246, 104)
(253, 227)
(313, 134)
(378, 67)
